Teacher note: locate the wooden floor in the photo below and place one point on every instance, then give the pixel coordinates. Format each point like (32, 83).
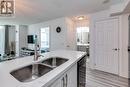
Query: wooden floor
(95, 78)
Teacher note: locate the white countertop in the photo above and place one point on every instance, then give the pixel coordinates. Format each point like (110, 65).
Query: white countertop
(7, 80)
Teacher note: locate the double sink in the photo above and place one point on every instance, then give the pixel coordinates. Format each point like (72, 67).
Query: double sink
(34, 71)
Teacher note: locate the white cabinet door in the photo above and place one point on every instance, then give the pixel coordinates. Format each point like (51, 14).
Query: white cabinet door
(68, 79)
(61, 82)
(106, 45)
(71, 77)
(57, 83)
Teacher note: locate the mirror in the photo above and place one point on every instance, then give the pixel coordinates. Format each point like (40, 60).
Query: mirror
(7, 40)
(82, 35)
(12, 39)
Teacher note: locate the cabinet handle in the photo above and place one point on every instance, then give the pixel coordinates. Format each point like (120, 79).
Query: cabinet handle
(115, 49)
(66, 80)
(63, 80)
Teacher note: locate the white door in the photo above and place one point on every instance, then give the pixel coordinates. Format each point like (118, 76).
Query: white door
(106, 45)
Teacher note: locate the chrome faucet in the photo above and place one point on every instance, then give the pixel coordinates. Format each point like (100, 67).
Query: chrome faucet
(36, 49)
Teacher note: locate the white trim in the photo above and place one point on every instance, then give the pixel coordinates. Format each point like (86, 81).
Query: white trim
(124, 65)
(120, 45)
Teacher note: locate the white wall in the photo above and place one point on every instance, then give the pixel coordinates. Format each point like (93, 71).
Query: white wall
(57, 40)
(17, 40)
(71, 34)
(82, 23)
(123, 44)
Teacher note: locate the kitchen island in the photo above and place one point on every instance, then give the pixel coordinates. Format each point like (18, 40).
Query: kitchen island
(54, 78)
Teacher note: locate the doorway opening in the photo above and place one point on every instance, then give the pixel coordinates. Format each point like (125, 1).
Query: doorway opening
(83, 36)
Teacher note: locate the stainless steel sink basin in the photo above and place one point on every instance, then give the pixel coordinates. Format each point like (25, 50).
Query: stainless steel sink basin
(31, 72)
(54, 61)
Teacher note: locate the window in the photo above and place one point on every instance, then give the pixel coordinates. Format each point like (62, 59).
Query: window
(82, 35)
(45, 38)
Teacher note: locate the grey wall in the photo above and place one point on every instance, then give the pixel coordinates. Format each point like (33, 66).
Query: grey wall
(23, 32)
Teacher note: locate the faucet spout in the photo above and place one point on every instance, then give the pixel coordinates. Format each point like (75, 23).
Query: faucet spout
(36, 49)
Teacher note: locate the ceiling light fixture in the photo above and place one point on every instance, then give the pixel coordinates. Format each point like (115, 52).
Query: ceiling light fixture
(7, 8)
(81, 18)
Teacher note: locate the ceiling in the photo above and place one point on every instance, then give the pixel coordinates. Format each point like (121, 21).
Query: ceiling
(35, 11)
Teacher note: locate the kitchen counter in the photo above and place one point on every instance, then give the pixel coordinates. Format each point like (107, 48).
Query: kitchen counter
(7, 80)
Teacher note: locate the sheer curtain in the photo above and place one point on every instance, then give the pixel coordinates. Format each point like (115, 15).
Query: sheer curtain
(2, 39)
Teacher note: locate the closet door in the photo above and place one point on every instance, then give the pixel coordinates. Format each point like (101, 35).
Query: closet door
(106, 46)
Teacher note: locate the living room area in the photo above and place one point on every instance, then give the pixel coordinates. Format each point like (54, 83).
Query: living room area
(60, 33)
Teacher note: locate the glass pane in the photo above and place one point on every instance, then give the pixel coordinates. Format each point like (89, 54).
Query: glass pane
(45, 37)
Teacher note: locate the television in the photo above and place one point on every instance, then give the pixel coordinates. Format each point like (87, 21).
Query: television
(31, 39)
